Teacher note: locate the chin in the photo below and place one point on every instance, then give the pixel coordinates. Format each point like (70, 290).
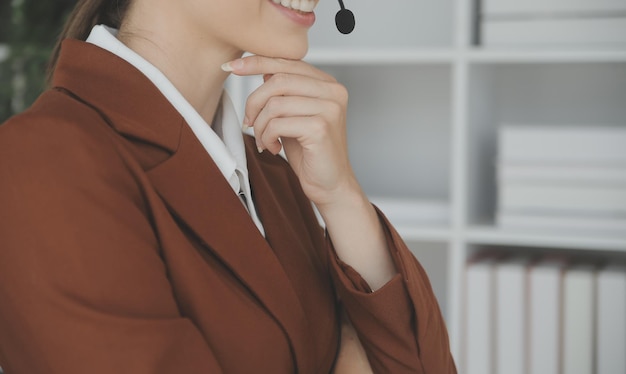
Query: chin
(294, 54)
(291, 51)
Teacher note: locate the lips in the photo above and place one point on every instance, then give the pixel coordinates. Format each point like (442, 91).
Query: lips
(300, 17)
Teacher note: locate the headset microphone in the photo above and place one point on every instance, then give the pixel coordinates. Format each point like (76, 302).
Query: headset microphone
(344, 19)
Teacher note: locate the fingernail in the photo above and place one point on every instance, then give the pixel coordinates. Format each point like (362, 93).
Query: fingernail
(246, 124)
(260, 149)
(233, 65)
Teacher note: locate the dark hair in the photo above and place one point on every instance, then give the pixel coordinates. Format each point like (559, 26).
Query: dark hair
(87, 14)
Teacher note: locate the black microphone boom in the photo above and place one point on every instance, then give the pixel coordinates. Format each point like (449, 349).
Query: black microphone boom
(344, 19)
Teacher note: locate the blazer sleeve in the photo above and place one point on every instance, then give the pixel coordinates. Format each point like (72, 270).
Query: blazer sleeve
(400, 325)
(82, 286)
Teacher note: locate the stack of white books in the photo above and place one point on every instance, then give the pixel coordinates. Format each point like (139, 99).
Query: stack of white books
(544, 317)
(553, 23)
(562, 178)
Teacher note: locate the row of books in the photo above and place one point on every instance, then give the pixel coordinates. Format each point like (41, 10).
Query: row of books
(553, 22)
(544, 317)
(562, 178)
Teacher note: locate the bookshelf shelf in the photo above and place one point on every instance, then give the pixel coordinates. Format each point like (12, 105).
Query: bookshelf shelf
(480, 55)
(474, 55)
(392, 56)
(485, 234)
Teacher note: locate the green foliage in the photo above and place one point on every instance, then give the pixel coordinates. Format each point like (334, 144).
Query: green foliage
(29, 29)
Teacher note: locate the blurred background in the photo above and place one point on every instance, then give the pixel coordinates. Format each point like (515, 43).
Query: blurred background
(493, 135)
(28, 30)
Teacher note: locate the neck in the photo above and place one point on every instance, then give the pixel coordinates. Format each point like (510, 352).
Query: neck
(191, 62)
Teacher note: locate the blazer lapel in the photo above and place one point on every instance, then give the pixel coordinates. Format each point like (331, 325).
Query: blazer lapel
(188, 180)
(272, 191)
(192, 186)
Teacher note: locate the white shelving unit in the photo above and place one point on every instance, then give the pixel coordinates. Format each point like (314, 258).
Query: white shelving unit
(425, 105)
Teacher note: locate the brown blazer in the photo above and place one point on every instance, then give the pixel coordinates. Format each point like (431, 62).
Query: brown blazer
(124, 250)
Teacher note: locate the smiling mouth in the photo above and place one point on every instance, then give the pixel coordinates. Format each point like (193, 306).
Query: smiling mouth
(300, 6)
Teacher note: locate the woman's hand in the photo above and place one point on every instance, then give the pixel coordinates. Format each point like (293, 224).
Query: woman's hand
(305, 109)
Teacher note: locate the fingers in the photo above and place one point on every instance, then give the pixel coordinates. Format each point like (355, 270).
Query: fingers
(284, 77)
(296, 101)
(254, 65)
(306, 130)
(294, 108)
(271, 96)
(286, 106)
(284, 85)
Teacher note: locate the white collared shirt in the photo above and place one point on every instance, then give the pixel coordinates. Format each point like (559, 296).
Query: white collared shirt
(228, 151)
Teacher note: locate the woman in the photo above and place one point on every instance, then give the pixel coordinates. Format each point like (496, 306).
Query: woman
(141, 232)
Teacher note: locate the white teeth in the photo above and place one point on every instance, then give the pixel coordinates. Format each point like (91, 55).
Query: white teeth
(301, 5)
(307, 5)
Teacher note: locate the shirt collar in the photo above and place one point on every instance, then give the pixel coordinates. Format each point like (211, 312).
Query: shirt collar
(229, 153)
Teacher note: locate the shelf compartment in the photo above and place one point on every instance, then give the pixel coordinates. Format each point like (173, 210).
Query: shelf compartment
(434, 259)
(399, 147)
(405, 23)
(535, 95)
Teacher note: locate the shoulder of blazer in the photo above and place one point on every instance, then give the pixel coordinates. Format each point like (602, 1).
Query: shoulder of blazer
(61, 138)
(124, 96)
(55, 117)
